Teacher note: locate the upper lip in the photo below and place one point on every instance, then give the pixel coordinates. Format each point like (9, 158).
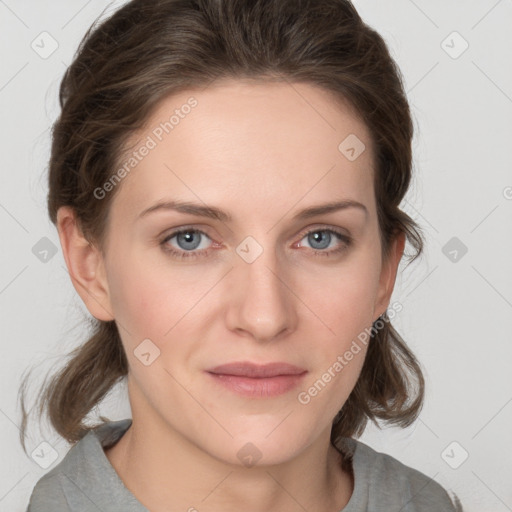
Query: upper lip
(248, 369)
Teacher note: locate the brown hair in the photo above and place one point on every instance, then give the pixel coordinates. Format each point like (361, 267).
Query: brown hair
(149, 49)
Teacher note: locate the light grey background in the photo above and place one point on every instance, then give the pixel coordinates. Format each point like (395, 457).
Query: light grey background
(456, 314)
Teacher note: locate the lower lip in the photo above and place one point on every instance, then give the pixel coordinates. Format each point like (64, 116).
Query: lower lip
(259, 387)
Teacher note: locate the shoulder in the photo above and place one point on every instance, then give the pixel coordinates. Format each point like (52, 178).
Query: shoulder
(80, 481)
(55, 488)
(389, 484)
(48, 494)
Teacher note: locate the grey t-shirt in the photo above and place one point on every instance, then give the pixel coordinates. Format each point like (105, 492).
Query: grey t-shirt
(85, 481)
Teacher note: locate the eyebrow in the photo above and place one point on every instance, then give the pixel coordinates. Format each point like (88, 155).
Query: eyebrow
(212, 212)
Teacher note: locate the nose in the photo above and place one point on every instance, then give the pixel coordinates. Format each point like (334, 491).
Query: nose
(262, 304)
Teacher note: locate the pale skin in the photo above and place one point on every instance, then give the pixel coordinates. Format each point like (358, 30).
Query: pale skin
(261, 152)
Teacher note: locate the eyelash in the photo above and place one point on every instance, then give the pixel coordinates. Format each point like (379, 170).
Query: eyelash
(194, 254)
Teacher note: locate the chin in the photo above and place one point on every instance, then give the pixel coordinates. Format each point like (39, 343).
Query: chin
(258, 448)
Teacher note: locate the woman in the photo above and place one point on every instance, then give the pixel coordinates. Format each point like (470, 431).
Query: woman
(225, 179)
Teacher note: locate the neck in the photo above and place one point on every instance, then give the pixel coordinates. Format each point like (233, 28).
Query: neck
(166, 471)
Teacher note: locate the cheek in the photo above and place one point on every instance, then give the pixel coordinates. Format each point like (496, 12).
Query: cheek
(344, 298)
(140, 300)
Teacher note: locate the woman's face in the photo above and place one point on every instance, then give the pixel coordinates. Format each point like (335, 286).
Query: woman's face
(266, 285)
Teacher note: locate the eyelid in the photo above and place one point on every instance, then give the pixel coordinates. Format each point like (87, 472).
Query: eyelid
(326, 227)
(344, 237)
(204, 230)
(178, 230)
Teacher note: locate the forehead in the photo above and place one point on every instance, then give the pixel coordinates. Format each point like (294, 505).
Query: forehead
(254, 144)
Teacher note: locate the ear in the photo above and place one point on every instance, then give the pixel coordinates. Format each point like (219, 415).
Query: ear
(85, 265)
(388, 275)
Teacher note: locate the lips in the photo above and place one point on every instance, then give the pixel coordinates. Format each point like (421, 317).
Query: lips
(257, 381)
(257, 371)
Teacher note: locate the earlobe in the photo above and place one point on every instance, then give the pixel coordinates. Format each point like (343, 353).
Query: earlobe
(85, 265)
(388, 275)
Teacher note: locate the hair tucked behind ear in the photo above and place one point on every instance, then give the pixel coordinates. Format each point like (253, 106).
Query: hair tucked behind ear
(150, 49)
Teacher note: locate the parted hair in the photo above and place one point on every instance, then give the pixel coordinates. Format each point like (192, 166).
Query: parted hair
(146, 50)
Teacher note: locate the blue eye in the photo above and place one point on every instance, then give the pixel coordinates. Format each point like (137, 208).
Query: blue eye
(324, 241)
(189, 239)
(185, 237)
